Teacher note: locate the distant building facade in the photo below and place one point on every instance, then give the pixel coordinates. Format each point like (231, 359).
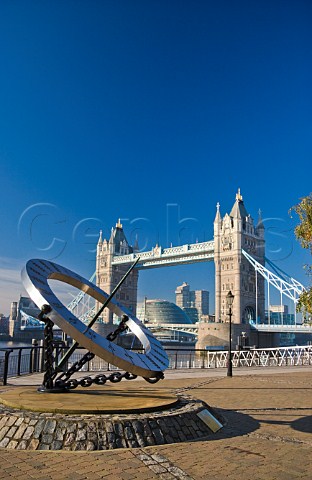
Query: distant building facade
(4, 324)
(21, 313)
(194, 302)
(279, 315)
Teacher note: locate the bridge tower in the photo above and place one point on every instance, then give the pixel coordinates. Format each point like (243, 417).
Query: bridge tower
(232, 233)
(108, 275)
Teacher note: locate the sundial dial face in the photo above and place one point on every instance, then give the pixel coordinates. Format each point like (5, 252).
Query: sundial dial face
(149, 364)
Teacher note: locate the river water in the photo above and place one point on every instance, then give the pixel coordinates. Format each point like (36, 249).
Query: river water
(14, 344)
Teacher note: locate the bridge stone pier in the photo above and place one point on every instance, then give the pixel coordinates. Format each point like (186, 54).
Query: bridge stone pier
(217, 335)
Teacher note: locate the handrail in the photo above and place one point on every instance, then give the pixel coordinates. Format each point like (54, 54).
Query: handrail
(18, 364)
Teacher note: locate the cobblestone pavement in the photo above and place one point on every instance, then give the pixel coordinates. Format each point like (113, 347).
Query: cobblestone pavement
(267, 435)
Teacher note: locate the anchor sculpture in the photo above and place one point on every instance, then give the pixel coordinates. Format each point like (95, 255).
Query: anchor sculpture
(150, 364)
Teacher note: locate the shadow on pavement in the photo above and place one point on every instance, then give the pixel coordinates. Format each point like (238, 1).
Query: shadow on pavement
(303, 424)
(235, 424)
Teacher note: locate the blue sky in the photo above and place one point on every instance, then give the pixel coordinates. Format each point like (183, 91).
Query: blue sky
(152, 112)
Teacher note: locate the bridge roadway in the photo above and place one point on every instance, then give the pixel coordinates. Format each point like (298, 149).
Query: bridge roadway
(160, 257)
(193, 328)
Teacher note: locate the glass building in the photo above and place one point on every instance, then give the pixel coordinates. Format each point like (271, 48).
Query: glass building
(162, 311)
(157, 313)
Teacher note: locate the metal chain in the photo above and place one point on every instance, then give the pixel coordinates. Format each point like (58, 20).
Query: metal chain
(121, 328)
(101, 379)
(63, 377)
(49, 373)
(63, 381)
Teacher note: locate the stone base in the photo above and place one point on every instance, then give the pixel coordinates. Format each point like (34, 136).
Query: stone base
(27, 430)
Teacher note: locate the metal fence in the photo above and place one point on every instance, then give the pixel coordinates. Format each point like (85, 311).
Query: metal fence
(18, 361)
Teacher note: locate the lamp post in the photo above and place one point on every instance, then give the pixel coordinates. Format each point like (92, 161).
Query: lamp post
(229, 303)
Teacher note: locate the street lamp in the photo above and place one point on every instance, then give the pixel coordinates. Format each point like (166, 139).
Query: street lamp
(229, 303)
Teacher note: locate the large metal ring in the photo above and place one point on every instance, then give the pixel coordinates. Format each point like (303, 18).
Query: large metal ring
(35, 277)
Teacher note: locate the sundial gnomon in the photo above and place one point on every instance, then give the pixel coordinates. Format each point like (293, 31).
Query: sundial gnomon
(150, 364)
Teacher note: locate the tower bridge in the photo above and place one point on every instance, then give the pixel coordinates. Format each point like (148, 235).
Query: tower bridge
(233, 233)
(237, 250)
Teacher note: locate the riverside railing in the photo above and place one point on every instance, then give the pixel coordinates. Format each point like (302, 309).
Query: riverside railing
(18, 361)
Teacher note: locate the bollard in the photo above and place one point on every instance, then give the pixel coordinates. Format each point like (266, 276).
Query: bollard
(6, 366)
(35, 356)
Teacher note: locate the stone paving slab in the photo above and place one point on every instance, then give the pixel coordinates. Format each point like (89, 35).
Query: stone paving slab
(268, 436)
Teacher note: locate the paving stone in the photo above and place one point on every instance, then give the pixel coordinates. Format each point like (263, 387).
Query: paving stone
(157, 468)
(12, 431)
(22, 445)
(150, 440)
(3, 432)
(19, 421)
(38, 427)
(56, 445)
(49, 426)
(80, 446)
(91, 445)
(4, 442)
(69, 439)
(33, 444)
(47, 438)
(158, 435)
(71, 427)
(12, 444)
(108, 427)
(118, 429)
(44, 446)
(81, 435)
(128, 432)
(59, 433)
(20, 431)
(158, 458)
(132, 443)
(138, 427)
(29, 432)
(3, 421)
(11, 420)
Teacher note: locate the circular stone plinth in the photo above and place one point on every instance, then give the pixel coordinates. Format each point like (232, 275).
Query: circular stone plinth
(121, 399)
(187, 420)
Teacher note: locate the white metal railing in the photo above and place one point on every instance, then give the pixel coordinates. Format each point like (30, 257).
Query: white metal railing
(298, 328)
(259, 357)
(16, 361)
(205, 359)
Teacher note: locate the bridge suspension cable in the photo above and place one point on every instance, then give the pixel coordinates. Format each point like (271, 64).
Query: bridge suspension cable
(79, 301)
(291, 288)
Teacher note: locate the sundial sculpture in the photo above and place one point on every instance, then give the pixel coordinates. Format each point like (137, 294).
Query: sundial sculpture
(150, 364)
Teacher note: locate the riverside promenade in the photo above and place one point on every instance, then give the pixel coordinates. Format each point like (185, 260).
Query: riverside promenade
(267, 434)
